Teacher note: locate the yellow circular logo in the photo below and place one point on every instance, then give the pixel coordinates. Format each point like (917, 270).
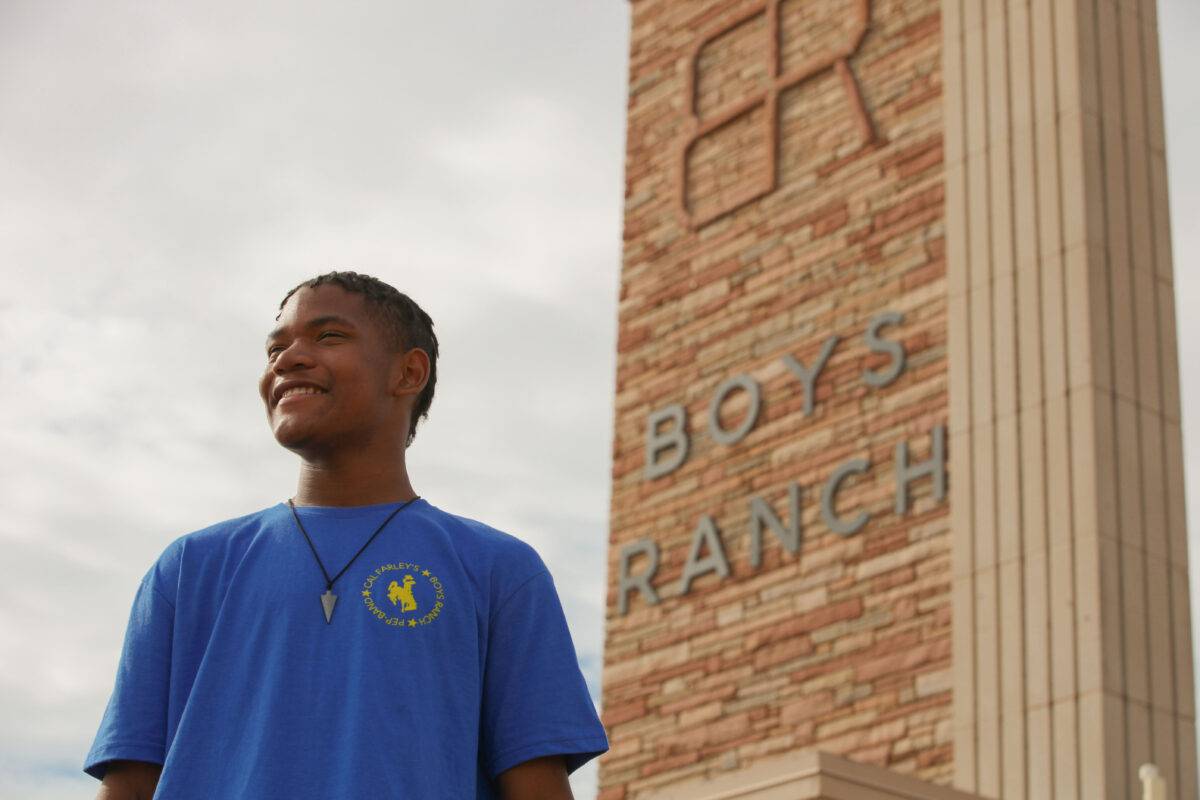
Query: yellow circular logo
(403, 595)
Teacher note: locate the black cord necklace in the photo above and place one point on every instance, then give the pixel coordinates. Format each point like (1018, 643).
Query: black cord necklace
(329, 598)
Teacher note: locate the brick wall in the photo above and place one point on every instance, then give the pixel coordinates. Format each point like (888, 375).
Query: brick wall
(844, 646)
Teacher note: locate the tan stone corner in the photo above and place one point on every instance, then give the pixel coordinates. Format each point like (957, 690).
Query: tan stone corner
(811, 775)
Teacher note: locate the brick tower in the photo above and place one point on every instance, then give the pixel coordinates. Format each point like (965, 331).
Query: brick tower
(897, 474)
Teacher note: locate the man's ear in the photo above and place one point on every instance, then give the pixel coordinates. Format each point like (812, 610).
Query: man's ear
(410, 372)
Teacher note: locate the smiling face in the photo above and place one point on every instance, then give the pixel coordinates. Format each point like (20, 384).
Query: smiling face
(330, 380)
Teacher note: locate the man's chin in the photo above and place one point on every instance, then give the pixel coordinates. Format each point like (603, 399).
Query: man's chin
(297, 438)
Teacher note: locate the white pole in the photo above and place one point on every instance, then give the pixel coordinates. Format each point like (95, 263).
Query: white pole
(1153, 786)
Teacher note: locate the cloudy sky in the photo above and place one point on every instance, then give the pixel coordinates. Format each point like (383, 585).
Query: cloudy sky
(168, 172)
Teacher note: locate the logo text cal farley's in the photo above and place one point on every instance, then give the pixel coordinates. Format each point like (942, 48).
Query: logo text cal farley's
(411, 570)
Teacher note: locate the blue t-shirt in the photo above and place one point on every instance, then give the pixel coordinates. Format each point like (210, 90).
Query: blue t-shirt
(447, 661)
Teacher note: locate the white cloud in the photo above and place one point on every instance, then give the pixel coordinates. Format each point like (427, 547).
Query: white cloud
(1179, 26)
(167, 174)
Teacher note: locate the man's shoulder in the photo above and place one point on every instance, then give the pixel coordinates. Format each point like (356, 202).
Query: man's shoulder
(216, 536)
(475, 533)
(480, 542)
(222, 531)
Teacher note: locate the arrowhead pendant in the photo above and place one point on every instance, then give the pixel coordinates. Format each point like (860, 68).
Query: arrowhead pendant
(327, 601)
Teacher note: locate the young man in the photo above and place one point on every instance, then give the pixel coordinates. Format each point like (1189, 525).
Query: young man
(356, 640)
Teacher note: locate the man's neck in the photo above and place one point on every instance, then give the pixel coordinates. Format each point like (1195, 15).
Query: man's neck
(353, 482)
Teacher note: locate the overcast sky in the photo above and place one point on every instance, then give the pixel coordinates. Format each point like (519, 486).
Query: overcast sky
(168, 172)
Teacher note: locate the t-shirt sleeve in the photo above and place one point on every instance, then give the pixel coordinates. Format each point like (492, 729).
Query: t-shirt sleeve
(535, 700)
(134, 725)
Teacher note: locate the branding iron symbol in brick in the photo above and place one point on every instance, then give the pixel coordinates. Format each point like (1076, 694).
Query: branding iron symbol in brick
(835, 58)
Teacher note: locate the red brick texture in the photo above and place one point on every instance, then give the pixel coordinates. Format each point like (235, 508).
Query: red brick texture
(844, 646)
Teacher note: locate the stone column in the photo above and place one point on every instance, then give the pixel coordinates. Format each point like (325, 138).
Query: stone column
(1072, 643)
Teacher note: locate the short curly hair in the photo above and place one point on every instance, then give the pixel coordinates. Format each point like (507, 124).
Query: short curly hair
(404, 324)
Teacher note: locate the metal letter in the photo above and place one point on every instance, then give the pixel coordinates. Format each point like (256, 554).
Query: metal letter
(935, 467)
(657, 442)
(761, 512)
(721, 435)
(809, 376)
(829, 495)
(877, 345)
(706, 534)
(641, 582)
